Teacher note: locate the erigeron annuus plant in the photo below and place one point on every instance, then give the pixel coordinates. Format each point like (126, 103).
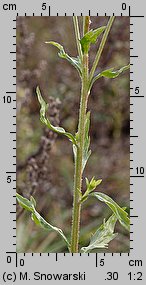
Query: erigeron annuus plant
(81, 143)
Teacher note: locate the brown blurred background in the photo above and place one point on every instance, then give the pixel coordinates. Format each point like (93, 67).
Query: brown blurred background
(45, 161)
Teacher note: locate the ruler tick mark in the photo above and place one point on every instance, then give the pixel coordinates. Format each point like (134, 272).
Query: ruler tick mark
(96, 259)
(137, 176)
(133, 136)
(137, 16)
(138, 96)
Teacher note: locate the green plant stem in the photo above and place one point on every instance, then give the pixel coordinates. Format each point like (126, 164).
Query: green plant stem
(77, 34)
(101, 47)
(86, 24)
(79, 156)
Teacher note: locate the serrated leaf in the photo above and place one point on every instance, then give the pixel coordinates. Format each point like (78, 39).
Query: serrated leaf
(36, 217)
(90, 38)
(121, 215)
(74, 61)
(44, 120)
(86, 151)
(110, 73)
(103, 235)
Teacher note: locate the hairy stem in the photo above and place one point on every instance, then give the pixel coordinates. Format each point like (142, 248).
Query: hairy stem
(77, 34)
(101, 47)
(86, 24)
(80, 148)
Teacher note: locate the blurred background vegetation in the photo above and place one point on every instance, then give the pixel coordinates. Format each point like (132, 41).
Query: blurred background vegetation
(44, 161)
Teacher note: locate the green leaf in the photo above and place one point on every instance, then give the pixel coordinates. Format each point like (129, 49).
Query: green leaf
(90, 38)
(110, 73)
(36, 217)
(103, 235)
(90, 187)
(24, 203)
(74, 61)
(86, 151)
(33, 201)
(46, 121)
(75, 146)
(92, 184)
(121, 215)
(45, 225)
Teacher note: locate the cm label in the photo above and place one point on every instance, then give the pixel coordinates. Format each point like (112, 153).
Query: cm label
(9, 7)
